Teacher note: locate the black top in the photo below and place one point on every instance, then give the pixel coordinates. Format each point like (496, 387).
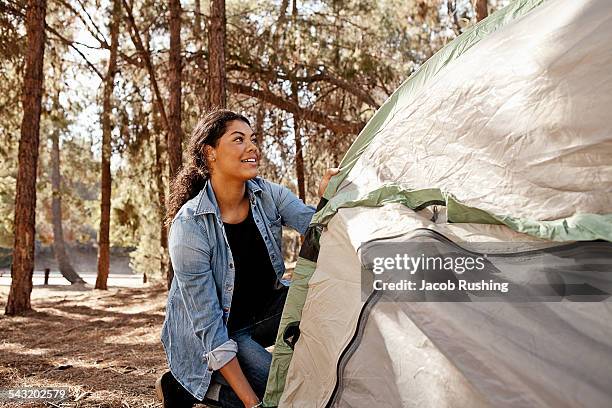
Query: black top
(254, 275)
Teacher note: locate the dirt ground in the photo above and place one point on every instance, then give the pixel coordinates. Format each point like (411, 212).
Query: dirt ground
(103, 345)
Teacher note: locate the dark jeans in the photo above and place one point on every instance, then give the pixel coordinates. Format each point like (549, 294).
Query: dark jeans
(252, 356)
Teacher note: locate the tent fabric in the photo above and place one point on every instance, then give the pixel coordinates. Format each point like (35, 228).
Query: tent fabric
(440, 354)
(424, 76)
(415, 83)
(507, 130)
(432, 381)
(517, 127)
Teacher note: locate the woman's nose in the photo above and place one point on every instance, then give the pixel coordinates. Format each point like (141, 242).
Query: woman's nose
(252, 146)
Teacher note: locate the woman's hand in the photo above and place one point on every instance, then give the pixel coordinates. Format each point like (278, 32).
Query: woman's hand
(325, 180)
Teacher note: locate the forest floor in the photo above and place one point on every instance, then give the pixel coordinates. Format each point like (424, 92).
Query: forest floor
(102, 345)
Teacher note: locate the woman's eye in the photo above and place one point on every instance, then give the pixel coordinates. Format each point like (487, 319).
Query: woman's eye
(239, 139)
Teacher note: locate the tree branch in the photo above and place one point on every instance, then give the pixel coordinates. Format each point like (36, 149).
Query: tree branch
(273, 75)
(97, 34)
(312, 115)
(15, 11)
(93, 24)
(342, 84)
(71, 45)
(146, 56)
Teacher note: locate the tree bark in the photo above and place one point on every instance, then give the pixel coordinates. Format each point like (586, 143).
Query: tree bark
(105, 183)
(175, 136)
(197, 28)
(481, 9)
(159, 170)
(299, 156)
(59, 246)
(216, 54)
(200, 61)
(161, 208)
(25, 195)
(165, 266)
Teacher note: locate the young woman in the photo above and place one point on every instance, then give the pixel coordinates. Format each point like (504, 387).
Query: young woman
(227, 296)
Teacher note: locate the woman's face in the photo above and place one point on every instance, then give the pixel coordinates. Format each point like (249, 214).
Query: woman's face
(236, 155)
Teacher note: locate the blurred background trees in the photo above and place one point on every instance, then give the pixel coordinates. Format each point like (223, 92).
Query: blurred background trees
(309, 74)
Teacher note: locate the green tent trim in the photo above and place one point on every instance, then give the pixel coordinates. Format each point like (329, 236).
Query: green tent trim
(292, 312)
(579, 227)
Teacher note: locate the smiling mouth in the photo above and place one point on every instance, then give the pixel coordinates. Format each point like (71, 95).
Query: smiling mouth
(249, 161)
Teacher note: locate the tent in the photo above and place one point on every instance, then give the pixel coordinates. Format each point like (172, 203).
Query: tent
(503, 137)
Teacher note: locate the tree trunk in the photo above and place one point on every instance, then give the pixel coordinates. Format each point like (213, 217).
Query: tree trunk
(259, 124)
(299, 160)
(105, 183)
(164, 265)
(146, 56)
(216, 54)
(452, 11)
(279, 27)
(175, 136)
(197, 28)
(25, 195)
(200, 62)
(59, 247)
(299, 156)
(480, 8)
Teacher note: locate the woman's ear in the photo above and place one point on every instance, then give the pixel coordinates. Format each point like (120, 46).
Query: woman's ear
(209, 151)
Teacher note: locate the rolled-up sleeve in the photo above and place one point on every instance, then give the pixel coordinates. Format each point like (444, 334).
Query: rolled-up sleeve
(222, 355)
(294, 213)
(190, 256)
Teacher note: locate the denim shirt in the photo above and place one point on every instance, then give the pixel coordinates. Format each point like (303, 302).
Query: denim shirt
(194, 334)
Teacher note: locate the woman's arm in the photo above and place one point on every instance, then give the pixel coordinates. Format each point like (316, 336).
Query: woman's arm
(190, 256)
(293, 211)
(235, 378)
(325, 180)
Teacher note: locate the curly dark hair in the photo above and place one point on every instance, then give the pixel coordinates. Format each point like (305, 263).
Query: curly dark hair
(195, 171)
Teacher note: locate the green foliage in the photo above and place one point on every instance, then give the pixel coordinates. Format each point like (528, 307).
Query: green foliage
(136, 219)
(12, 43)
(344, 56)
(336, 52)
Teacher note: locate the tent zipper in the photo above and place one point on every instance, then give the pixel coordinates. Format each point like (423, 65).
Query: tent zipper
(375, 296)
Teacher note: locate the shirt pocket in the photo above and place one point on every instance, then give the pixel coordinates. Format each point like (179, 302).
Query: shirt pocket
(276, 227)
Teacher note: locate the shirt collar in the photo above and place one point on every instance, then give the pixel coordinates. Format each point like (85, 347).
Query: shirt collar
(207, 202)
